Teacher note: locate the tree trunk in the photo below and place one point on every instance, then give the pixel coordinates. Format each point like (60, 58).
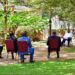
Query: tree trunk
(5, 13)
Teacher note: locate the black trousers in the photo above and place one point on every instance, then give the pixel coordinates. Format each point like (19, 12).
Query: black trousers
(68, 41)
(1, 48)
(57, 52)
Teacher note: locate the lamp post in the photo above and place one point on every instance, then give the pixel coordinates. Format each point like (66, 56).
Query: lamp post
(68, 26)
(50, 27)
(50, 16)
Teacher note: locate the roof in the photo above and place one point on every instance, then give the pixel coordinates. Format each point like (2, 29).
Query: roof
(22, 8)
(17, 8)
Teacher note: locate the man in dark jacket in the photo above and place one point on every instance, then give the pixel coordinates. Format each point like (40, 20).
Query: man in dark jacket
(54, 36)
(12, 37)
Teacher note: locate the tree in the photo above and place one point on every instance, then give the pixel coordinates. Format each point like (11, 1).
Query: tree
(50, 5)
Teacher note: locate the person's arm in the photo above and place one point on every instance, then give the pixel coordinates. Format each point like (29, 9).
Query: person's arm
(48, 41)
(60, 42)
(29, 43)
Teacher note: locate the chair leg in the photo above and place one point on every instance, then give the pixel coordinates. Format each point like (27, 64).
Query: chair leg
(16, 55)
(12, 54)
(57, 54)
(18, 58)
(7, 55)
(48, 55)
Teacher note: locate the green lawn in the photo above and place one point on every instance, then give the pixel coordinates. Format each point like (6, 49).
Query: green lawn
(66, 67)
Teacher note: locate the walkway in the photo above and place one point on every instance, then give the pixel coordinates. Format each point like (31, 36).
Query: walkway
(40, 55)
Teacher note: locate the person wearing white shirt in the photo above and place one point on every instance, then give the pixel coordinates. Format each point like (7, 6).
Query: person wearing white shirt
(67, 37)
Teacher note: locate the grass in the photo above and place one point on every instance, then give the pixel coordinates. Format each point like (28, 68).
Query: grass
(57, 67)
(66, 67)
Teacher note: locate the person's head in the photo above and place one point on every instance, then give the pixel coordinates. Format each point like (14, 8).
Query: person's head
(68, 31)
(24, 33)
(11, 34)
(54, 33)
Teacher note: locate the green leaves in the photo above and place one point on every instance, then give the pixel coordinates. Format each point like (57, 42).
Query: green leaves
(66, 7)
(35, 22)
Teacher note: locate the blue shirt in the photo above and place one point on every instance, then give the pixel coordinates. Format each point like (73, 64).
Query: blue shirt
(24, 38)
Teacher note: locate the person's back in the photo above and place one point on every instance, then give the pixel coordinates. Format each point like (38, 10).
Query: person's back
(12, 37)
(54, 36)
(68, 35)
(24, 38)
(30, 49)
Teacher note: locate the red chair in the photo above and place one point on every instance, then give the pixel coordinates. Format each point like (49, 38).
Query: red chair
(10, 47)
(54, 46)
(22, 46)
(54, 43)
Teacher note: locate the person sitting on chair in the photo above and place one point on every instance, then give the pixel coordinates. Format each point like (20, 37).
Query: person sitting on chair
(58, 43)
(1, 46)
(30, 49)
(12, 37)
(67, 37)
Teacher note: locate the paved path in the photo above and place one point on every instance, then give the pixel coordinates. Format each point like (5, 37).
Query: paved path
(40, 55)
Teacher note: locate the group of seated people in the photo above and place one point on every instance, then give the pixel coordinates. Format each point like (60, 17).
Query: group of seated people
(22, 38)
(30, 51)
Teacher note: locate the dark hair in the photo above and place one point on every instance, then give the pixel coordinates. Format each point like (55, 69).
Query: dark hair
(68, 31)
(24, 33)
(11, 33)
(54, 33)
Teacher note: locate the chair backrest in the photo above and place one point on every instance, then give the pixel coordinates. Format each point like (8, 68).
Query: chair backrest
(54, 43)
(22, 46)
(9, 45)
